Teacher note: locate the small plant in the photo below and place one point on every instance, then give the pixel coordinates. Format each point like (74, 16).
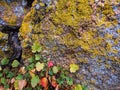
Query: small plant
(38, 74)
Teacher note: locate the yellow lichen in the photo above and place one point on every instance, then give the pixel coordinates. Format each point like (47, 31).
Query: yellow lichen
(71, 12)
(71, 25)
(1, 35)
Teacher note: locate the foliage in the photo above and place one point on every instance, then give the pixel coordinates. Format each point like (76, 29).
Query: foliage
(34, 81)
(39, 73)
(4, 61)
(39, 66)
(73, 68)
(36, 48)
(55, 69)
(73, 25)
(78, 87)
(15, 63)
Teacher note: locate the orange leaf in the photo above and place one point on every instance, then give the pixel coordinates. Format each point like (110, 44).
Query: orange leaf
(44, 82)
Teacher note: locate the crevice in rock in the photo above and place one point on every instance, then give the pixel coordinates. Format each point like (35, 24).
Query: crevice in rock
(13, 40)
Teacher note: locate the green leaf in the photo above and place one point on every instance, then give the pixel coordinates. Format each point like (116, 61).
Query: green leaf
(19, 77)
(84, 88)
(31, 59)
(69, 80)
(10, 75)
(36, 47)
(15, 63)
(55, 69)
(60, 81)
(1, 75)
(62, 75)
(6, 86)
(31, 66)
(4, 61)
(50, 72)
(39, 66)
(34, 81)
(6, 71)
(27, 76)
(37, 57)
(3, 81)
(78, 87)
(73, 68)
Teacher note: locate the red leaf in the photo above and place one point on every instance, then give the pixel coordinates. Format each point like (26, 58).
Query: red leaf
(44, 82)
(50, 64)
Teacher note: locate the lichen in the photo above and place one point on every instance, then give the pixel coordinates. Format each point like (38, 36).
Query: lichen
(71, 12)
(70, 24)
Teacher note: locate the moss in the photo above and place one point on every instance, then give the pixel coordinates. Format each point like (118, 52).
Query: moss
(8, 15)
(106, 15)
(71, 12)
(70, 24)
(26, 26)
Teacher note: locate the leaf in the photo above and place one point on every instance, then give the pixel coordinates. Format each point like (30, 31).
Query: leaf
(19, 77)
(22, 70)
(31, 59)
(4, 61)
(84, 88)
(50, 72)
(15, 63)
(39, 66)
(36, 47)
(78, 87)
(31, 66)
(60, 81)
(3, 81)
(34, 81)
(12, 80)
(16, 85)
(69, 80)
(1, 74)
(0, 68)
(37, 57)
(44, 82)
(50, 64)
(54, 81)
(55, 69)
(2, 88)
(57, 87)
(32, 73)
(22, 84)
(73, 68)
(10, 75)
